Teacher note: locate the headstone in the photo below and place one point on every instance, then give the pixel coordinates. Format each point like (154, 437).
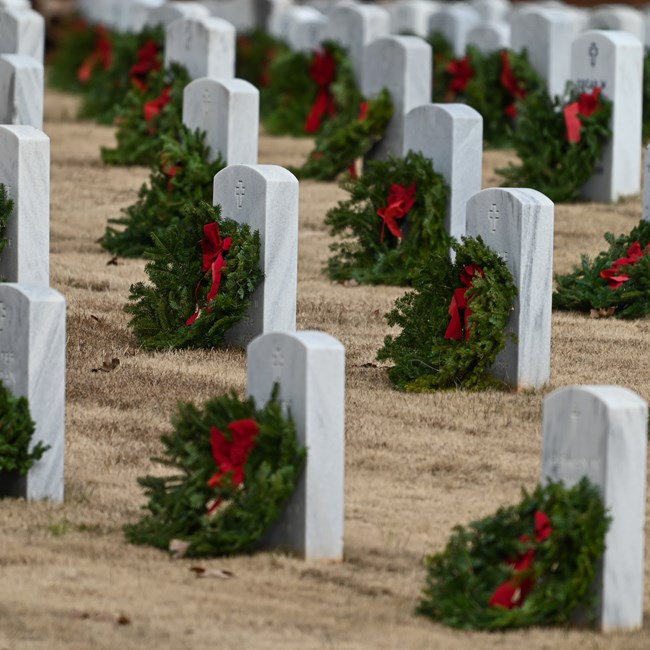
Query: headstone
(412, 16)
(32, 365)
(492, 11)
(547, 36)
(205, 46)
(310, 370)
(22, 31)
(266, 198)
(614, 62)
(601, 432)
(518, 225)
(21, 90)
(451, 136)
(278, 18)
(240, 13)
(619, 17)
(172, 11)
(228, 111)
(402, 64)
(455, 22)
(19, 4)
(306, 28)
(354, 27)
(135, 14)
(490, 37)
(646, 184)
(25, 172)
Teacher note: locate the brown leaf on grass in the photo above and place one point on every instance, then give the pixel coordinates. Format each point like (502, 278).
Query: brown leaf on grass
(100, 617)
(178, 548)
(112, 262)
(367, 365)
(602, 313)
(221, 574)
(123, 619)
(108, 365)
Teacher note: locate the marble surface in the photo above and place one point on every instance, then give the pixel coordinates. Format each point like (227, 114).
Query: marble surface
(32, 364)
(310, 369)
(241, 13)
(547, 35)
(266, 198)
(305, 28)
(354, 27)
(451, 136)
(21, 90)
(412, 16)
(22, 31)
(278, 18)
(25, 171)
(228, 111)
(493, 11)
(135, 14)
(518, 225)
(173, 11)
(402, 64)
(614, 61)
(601, 432)
(490, 37)
(205, 46)
(621, 18)
(454, 22)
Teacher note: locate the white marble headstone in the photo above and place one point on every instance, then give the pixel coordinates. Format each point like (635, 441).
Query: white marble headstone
(22, 31)
(412, 16)
(354, 27)
(455, 22)
(134, 14)
(205, 46)
(32, 365)
(240, 13)
(278, 18)
(601, 432)
(310, 370)
(25, 172)
(21, 90)
(614, 61)
(490, 37)
(305, 28)
(518, 225)
(451, 136)
(492, 11)
(618, 17)
(173, 11)
(402, 64)
(266, 198)
(228, 111)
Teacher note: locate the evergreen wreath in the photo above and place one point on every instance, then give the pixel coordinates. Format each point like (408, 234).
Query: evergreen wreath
(616, 282)
(493, 576)
(306, 89)
(180, 177)
(16, 431)
(146, 115)
(559, 142)
(343, 139)
(203, 271)
(235, 465)
(375, 249)
(6, 208)
(425, 355)
(256, 51)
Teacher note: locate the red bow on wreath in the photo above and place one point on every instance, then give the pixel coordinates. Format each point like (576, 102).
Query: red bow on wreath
(154, 106)
(459, 310)
(148, 61)
(169, 169)
(462, 73)
(614, 275)
(510, 82)
(323, 72)
(231, 453)
(400, 200)
(513, 592)
(586, 105)
(213, 248)
(101, 55)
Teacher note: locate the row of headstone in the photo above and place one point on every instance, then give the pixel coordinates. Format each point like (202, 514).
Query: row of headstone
(22, 31)
(21, 90)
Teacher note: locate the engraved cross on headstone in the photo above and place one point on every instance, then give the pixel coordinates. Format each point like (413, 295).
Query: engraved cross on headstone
(593, 54)
(277, 362)
(205, 100)
(240, 192)
(3, 315)
(493, 216)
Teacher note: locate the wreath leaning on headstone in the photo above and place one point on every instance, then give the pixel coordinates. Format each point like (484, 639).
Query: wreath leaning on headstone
(559, 142)
(180, 177)
(453, 322)
(392, 223)
(235, 466)
(203, 271)
(616, 283)
(529, 564)
(16, 431)
(6, 208)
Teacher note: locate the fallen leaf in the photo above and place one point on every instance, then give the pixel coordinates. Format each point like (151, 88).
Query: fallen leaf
(221, 574)
(123, 619)
(602, 313)
(108, 365)
(368, 365)
(178, 548)
(94, 317)
(112, 262)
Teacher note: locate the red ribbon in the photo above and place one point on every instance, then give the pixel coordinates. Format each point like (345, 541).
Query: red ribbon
(400, 200)
(170, 170)
(154, 106)
(101, 55)
(513, 592)
(323, 72)
(459, 310)
(461, 72)
(614, 276)
(231, 453)
(586, 105)
(510, 82)
(213, 247)
(148, 60)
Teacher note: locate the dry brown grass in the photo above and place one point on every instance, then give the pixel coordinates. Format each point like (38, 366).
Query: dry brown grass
(416, 465)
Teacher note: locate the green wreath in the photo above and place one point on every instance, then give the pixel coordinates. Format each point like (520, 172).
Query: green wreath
(6, 208)
(616, 283)
(256, 51)
(424, 359)
(235, 465)
(371, 253)
(553, 570)
(195, 298)
(181, 177)
(16, 431)
(550, 161)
